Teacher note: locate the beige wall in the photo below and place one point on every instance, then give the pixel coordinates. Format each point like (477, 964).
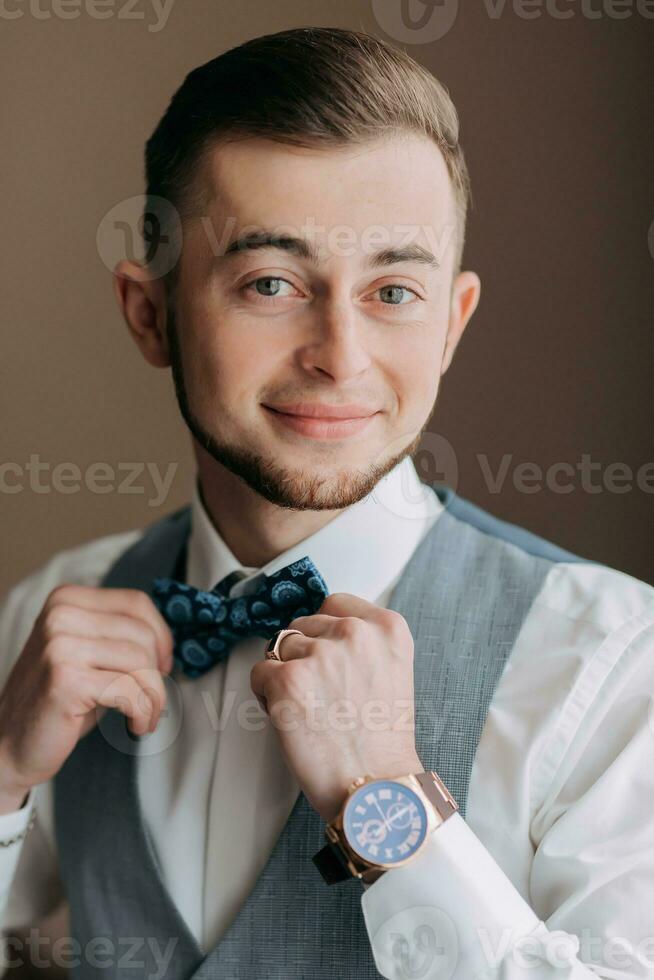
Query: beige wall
(558, 360)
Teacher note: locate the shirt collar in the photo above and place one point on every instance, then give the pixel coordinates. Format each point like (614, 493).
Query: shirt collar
(361, 551)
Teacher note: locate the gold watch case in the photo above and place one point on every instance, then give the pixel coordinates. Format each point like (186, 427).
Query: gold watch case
(439, 805)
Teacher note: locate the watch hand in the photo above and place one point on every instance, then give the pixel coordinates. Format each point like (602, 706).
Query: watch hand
(389, 820)
(381, 812)
(384, 819)
(400, 813)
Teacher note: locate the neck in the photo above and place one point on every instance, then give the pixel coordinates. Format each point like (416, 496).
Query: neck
(254, 529)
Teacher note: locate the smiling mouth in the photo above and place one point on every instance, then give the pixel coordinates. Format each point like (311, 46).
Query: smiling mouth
(319, 426)
(330, 412)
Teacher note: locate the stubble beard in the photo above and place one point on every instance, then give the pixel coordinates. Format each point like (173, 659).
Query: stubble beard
(295, 489)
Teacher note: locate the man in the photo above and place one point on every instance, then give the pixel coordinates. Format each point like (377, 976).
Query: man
(320, 628)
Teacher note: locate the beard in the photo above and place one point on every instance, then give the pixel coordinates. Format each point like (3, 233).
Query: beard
(282, 485)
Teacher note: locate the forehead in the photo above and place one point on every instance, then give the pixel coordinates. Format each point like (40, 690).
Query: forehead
(400, 185)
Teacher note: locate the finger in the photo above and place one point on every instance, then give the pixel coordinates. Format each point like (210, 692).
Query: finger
(153, 686)
(345, 604)
(316, 625)
(75, 621)
(99, 653)
(150, 691)
(261, 676)
(293, 647)
(123, 693)
(102, 656)
(129, 602)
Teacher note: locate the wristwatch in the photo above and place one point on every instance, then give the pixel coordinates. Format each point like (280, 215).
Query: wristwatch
(382, 824)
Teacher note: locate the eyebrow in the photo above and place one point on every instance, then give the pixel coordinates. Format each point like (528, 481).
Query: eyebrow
(304, 249)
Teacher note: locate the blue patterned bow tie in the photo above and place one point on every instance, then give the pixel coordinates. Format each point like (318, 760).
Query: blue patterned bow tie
(206, 625)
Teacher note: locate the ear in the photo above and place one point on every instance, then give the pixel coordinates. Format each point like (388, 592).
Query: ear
(142, 301)
(466, 290)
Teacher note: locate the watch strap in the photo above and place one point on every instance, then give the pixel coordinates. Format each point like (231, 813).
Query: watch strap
(437, 793)
(330, 862)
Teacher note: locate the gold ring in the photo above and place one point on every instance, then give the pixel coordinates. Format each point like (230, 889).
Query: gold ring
(272, 650)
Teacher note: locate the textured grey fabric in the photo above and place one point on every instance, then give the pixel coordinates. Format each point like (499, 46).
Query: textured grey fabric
(464, 594)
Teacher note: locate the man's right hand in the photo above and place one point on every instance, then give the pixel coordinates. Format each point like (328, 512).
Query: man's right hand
(89, 648)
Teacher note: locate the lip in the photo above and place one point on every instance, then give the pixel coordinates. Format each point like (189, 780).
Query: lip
(317, 411)
(322, 426)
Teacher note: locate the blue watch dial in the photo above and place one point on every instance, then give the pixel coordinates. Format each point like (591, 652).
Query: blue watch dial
(385, 822)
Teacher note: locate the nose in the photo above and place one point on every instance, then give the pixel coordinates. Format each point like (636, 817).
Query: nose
(336, 343)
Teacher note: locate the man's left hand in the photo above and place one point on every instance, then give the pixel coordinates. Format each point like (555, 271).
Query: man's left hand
(342, 699)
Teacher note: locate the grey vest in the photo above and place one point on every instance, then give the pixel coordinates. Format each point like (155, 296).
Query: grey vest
(464, 593)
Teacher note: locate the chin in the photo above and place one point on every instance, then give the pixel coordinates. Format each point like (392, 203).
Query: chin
(306, 474)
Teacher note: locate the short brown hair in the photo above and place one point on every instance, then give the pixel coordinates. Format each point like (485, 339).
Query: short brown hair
(309, 86)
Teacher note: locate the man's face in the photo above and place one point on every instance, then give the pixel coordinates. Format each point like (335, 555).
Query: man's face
(264, 336)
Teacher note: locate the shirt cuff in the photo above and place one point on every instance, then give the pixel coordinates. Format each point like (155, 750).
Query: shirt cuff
(453, 903)
(16, 822)
(13, 831)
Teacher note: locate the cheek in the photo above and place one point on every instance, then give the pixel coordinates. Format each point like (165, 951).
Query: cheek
(229, 364)
(416, 368)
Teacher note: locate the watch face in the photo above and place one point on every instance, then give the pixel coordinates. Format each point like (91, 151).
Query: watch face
(385, 822)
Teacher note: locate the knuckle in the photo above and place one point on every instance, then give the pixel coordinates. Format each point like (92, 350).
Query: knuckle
(395, 624)
(56, 650)
(148, 637)
(140, 656)
(130, 687)
(126, 686)
(331, 603)
(151, 678)
(322, 646)
(155, 695)
(57, 619)
(134, 603)
(142, 603)
(158, 655)
(58, 594)
(152, 674)
(350, 627)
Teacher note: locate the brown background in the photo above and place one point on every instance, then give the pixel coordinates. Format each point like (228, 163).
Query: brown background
(557, 363)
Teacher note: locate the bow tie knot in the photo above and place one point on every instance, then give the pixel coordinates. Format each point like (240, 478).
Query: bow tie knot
(206, 625)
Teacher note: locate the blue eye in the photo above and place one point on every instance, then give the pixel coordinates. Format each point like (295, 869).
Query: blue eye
(393, 290)
(269, 286)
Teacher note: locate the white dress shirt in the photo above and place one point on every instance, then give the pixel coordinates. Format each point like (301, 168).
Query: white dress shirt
(551, 875)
